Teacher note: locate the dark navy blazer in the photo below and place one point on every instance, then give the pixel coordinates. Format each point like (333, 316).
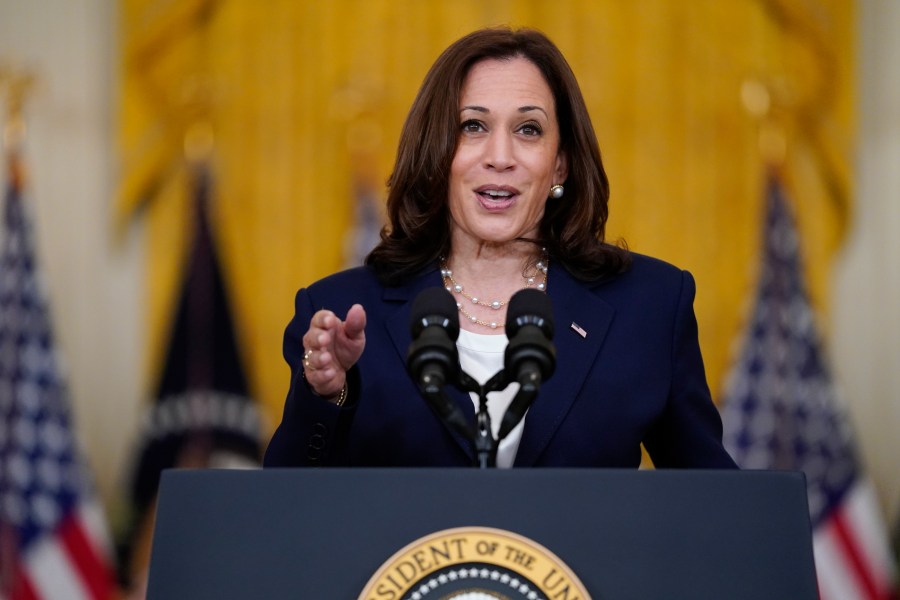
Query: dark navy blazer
(636, 377)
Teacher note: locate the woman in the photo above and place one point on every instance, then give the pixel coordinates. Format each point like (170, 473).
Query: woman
(498, 186)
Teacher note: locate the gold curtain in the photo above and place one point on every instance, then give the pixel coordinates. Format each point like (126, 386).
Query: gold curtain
(306, 101)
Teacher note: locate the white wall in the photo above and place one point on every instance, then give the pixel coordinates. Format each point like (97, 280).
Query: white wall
(96, 284)
(866, 313)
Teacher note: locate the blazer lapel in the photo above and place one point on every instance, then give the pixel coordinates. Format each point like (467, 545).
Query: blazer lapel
(398, 328)
(575, 307)
(575, 304)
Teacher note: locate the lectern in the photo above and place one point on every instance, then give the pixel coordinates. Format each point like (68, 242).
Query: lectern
(429, 534)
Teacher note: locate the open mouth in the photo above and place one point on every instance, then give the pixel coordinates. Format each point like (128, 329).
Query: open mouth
(496, 198)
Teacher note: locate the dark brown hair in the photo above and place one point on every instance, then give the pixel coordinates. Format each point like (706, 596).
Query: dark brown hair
(418, 230)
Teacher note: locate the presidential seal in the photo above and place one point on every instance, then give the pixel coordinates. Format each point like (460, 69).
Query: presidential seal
(474, 563)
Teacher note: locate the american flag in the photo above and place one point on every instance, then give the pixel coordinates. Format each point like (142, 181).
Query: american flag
(53, 541)
(781, 412)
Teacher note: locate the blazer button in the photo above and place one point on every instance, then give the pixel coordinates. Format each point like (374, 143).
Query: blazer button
(317, 442)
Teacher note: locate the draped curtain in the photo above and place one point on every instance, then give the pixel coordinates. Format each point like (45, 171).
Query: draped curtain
(301, 104)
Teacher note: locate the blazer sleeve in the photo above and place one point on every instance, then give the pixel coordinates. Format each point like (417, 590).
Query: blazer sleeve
(313, 430)
(688, 432)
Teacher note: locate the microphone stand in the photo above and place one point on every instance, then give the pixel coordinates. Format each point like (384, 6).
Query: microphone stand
(485, 443)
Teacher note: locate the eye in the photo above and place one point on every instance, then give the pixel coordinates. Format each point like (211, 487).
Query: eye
(531, 129)
(471, 126)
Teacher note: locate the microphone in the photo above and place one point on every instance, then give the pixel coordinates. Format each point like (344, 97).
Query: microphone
(530, 356)
(432, 358)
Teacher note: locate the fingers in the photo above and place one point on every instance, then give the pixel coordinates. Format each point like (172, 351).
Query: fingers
(319, 367)
(320, 332)
(318, 360)
(321, 373)
(331, 347)
(355, 324)
(351, 338)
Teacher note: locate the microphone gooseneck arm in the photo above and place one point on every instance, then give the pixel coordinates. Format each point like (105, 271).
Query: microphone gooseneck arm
(485, 444)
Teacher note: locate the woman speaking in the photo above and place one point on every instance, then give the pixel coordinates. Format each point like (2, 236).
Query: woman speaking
(499, 186)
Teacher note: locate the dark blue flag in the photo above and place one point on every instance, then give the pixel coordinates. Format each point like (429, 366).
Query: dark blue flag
(202, 413)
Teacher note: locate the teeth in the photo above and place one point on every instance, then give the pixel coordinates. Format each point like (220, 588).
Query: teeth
(497, 193)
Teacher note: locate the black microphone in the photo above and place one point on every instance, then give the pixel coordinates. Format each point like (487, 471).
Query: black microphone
(432, 359)
(530, 356)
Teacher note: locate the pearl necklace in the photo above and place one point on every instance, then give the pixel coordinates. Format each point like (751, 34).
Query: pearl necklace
(541, 267)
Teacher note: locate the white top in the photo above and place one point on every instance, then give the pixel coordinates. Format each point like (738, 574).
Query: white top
(481, 356)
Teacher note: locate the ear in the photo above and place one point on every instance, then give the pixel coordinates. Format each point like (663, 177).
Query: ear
(562, 168)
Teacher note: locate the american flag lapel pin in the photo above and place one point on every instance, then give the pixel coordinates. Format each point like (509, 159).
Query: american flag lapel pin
(577, 329)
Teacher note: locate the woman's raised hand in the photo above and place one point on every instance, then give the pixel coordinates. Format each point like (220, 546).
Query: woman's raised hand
(331, 348)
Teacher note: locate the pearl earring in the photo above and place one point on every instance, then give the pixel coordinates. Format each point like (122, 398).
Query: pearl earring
(556, 192)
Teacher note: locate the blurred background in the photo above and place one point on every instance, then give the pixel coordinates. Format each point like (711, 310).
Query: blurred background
(293, 111)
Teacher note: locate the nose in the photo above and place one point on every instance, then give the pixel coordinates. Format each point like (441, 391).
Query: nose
(499, 152)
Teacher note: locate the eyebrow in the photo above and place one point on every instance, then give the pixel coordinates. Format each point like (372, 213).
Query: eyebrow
(522, 109)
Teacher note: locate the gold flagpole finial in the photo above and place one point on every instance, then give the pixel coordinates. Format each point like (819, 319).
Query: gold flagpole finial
(196, 100)
(17, 86)
(764, 102)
